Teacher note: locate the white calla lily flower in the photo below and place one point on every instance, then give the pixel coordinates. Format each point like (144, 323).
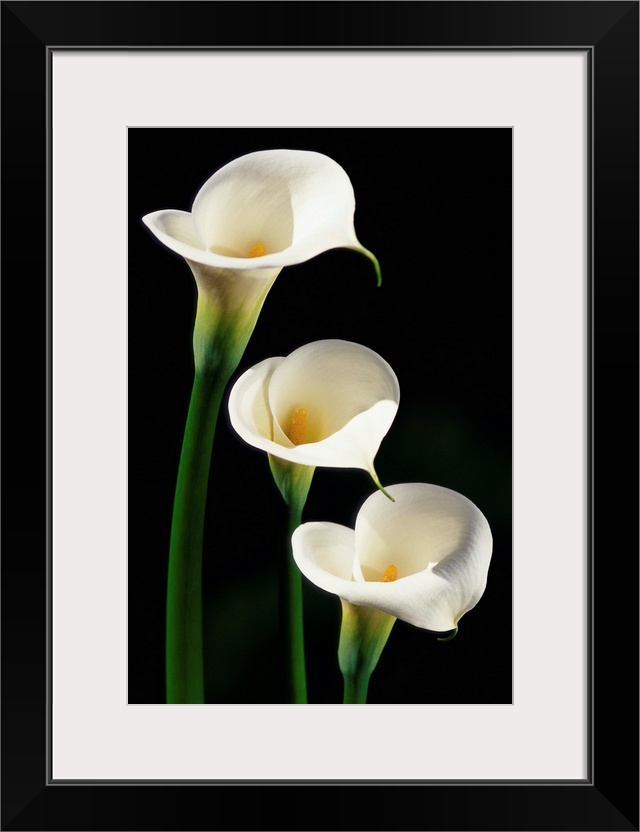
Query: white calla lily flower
(267, 209)
(329, 403)
(257, 214)
(423, 559)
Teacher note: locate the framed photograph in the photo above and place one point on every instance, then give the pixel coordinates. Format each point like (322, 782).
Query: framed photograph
(489, 157)
(448, 337)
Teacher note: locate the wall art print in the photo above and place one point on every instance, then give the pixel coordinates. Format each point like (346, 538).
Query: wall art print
(320, 416)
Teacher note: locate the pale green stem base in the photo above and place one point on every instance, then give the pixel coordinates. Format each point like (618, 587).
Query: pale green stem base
(229, 302)
(363, 635)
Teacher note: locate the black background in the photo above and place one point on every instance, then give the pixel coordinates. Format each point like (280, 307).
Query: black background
(435, 206)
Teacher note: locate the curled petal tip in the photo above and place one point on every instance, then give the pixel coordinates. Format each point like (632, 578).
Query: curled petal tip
(376, 266)
(450, 636)
(376, 479)
(374, 260)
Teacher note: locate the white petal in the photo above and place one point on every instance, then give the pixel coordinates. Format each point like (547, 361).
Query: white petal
(424, 525)
(249, 411)
(350, 395)
(297, 203)
(440, 543)
(177, 231)
(324, 553)
(247, 201)
(334, 381)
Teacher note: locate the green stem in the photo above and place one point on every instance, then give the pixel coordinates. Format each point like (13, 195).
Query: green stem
(184, 663)
(355, 689)
(295, 661)
(293, 482)
(229, 302)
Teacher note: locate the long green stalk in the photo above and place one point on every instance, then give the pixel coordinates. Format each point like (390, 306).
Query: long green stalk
(229, 303)
(293, 482)
(295, 669)
(184, 662)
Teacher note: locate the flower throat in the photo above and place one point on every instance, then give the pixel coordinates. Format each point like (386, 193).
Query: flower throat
(257, 250)
(298, 427)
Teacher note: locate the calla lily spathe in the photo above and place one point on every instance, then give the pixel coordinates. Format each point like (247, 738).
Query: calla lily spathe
(295, 203)
(423, 559)
(329, 403)
(255, 215)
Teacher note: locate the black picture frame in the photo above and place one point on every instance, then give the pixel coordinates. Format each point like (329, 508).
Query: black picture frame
(608, 798)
